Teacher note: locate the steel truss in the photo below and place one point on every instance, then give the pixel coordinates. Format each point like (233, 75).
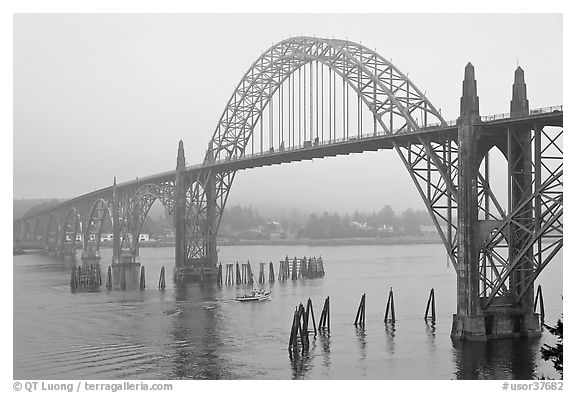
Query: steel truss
(390, 96)
(532, 233)
(72, 225)
(134, 208)
(98, 214)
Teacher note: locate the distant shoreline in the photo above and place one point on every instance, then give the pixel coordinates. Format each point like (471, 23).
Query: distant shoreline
(363, 241)
(358, 241)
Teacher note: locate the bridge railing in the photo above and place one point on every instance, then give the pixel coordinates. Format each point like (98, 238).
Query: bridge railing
(312, 144)
(450, 123)
(368, 135)
(536, 111)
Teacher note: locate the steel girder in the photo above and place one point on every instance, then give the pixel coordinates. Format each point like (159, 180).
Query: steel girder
(388, 93)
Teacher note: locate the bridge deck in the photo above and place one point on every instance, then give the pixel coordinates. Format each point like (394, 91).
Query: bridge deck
(551, 116)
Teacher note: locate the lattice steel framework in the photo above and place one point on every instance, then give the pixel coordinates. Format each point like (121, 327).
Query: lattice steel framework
(99, 213)
(390, 96)
(52, 231)
(136, 208)
(532, 233)
(71, 226)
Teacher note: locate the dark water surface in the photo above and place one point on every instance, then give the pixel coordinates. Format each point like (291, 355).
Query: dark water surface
(199, 332)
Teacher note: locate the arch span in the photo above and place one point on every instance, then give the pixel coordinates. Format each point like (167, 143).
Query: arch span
(52, 231)
(391, 97)
(71, 226)
(38, 234)
(99, 212)
(135, 216)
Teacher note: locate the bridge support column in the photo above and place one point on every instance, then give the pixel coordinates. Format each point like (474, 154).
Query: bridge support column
(180, 209)
(210, 229)
(520, 188)
(468, 322)
(508, 315)
(115, 225)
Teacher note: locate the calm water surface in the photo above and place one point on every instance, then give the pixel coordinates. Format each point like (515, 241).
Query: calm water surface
(199, 332)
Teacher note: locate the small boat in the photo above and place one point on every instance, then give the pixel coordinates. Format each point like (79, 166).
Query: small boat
(254, 295)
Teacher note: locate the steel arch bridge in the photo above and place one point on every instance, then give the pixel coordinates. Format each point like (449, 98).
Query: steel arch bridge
(308, 98)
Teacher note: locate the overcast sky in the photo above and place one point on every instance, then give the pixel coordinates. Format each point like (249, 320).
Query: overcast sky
(98, 96)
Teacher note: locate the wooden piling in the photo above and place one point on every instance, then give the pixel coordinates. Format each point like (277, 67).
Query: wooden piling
(109, 278)
(219, 279)
(324, 323)
(390, 307)
(293, 342)
(294, 269)
(250, 275)
(328, 313)
(361, 313)
(238, 277)
(162, 280)
(303, 328)
(271, 273)
(142, 278)
(431, 302)
(539, 300)
(229, 273)
(310, 313)
(261, 278)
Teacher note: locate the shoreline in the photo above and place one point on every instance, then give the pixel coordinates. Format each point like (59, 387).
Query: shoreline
(319, 242)
(357, 241)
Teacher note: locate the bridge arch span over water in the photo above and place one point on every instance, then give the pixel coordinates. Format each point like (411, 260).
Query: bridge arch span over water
(307, 98)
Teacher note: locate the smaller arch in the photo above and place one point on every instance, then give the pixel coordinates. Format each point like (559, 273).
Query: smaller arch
(71, 226)
(37, 233)
(99, 212)
(51, 233)
(140, 204)
(27, 234)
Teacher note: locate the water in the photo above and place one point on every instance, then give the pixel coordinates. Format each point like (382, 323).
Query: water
(200, 332)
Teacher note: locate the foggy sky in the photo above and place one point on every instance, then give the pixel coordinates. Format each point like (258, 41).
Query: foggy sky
(98, 96)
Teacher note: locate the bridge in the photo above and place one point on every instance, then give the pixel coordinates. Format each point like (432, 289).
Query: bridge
(308, 98)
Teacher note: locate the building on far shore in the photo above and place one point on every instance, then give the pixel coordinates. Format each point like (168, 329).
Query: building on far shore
(430, 230)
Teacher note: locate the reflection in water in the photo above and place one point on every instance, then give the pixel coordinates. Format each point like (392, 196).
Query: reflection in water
(196, 335)
(129, 273)
(199, 331)
(325, 344)
(301, 363)
(496, 359)
(431, 333)
(361, 333)
(390, 328)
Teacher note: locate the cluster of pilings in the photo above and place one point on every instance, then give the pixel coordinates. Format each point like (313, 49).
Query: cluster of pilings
(300, 331)
(88, 277)
(429, 314)
(293, 269)
(241, 275)
(122, 278)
